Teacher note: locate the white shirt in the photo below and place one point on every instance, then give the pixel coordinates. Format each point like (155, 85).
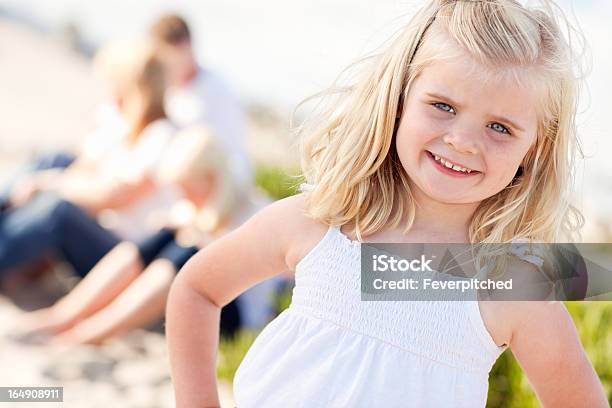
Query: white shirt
(331, 349)
(118, 161)
(208, 100)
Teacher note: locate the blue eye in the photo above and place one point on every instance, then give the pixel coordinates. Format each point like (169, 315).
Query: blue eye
(499, 128)
(444, 107)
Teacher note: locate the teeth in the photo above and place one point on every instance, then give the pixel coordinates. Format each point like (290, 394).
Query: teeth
(451, 165)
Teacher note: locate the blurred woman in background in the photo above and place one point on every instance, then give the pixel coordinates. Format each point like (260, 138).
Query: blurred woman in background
(112, 181)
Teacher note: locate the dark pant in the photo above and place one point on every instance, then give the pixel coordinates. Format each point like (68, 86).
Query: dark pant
(162, 245)
(51, 225)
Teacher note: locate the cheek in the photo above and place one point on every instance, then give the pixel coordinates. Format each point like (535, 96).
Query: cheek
(503, 162)
(414, 136)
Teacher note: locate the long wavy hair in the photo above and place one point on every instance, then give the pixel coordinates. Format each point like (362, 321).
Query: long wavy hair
(348, 151)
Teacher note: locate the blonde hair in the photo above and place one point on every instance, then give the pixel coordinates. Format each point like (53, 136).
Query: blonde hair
(349, 155)
(138, 76)
(193, 155)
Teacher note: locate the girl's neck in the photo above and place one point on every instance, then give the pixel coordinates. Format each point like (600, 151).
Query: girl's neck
(441, 221)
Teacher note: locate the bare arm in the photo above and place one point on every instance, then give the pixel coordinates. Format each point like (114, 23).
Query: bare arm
(95, 195)
(259, 249)
(547, 347)
(50, 179)
(81, 185)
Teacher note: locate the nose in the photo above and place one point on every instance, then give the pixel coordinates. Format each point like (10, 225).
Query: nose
(462, 140)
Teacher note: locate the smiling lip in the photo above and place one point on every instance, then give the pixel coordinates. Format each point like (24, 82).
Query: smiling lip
(448, 171)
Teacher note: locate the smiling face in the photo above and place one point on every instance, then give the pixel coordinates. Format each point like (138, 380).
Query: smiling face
(461, 137)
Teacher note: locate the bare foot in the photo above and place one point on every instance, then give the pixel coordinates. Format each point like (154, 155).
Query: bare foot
(78, 335)
(42, 323)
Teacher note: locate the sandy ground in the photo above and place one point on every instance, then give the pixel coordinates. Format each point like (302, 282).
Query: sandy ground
(131, 371)
(47, 100)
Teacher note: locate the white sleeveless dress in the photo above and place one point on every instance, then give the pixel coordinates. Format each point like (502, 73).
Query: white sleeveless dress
(330, 349)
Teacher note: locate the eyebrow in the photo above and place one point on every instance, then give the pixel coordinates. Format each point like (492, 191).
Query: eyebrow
(495, 117)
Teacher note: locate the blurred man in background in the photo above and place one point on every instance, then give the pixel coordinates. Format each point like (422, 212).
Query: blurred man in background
(198, 95)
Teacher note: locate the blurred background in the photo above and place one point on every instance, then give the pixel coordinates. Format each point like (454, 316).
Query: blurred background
(273, 54)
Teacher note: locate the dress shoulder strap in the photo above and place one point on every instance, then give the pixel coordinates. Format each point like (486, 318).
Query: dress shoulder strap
(528, 250)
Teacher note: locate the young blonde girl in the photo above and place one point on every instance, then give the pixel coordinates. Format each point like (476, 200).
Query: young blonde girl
(462, 131)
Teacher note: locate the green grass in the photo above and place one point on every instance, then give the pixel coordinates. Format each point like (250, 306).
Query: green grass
(231, 353)
(276, 182)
